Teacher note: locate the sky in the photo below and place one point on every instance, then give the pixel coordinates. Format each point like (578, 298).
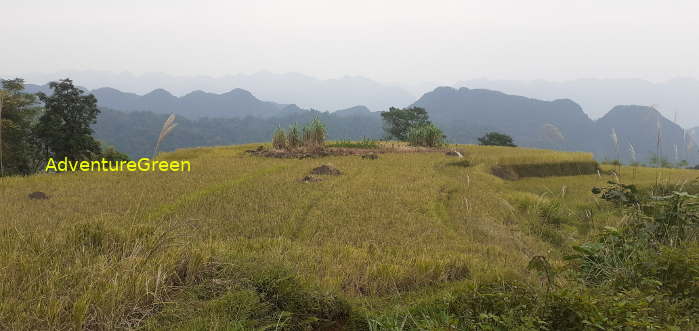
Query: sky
(388, 41)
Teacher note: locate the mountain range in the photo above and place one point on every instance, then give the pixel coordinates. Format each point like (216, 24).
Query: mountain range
(286, 88)
(464, 115)
(677, 99)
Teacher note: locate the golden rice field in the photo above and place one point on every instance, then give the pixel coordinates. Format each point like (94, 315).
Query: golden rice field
(240, 243)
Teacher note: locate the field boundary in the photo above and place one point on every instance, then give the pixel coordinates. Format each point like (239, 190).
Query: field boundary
(551, 169)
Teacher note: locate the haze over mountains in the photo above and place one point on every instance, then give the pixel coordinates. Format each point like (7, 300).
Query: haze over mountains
(288, 88)
(597, 96)
(464, 114)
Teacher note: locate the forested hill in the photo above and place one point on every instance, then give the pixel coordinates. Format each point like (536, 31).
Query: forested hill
(135, 133)
(465, 114)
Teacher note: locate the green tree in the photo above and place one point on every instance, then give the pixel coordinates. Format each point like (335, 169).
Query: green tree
(19, 152)
(64, 128)
(398, 122)
(496, 139)
(112, 154)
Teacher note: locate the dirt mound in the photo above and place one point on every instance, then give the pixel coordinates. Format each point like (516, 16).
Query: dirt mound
(370, 156)
(304, 153)
(326, 169)
(38, 196)
(310, 179)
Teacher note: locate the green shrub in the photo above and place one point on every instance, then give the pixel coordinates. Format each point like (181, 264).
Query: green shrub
(427, 135)
(496, 139)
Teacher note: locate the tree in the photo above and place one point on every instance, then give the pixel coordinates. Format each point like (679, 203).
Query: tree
(64, 128)
(111, 154)
(19, 153)
(496, 139)
(398, 122)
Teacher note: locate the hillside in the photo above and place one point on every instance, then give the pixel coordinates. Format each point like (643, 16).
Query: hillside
(466, 114)
(639, 126)
(240, 243)
(676, 97)
(197, 104)
(135, 133)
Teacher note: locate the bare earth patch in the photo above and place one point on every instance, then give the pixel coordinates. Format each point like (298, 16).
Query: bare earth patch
(367, 153)
(38, 196)
(326, 169)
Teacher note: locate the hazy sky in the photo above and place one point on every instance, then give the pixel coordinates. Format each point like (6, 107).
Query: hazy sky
(389, 41)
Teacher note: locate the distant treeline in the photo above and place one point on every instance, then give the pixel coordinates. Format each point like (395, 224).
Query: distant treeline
(134, 133)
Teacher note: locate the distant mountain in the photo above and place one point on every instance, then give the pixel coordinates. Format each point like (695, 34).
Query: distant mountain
(289, 88)
(466, 114)
(356, 111)
(233, 104)
(638, 126)
(677, 96)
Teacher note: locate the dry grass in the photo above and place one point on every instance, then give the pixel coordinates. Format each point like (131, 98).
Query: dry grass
(117, 250)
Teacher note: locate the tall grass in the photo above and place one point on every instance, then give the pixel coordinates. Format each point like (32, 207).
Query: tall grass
(167, 128)
(279, 139)
(428, 135)
(2, 168)
(293, 137)
(365, 143)
(240, 244)
(311, 136)
(314, 134)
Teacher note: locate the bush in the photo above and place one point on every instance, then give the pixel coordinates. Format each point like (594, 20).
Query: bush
(427, 135)
(111, 154)
(496, 139)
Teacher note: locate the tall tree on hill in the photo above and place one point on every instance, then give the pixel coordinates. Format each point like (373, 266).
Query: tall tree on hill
(398, 122)
(64, 128)
(19, 153)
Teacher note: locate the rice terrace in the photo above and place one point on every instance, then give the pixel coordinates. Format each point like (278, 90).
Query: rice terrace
(406, 241)
(320, 165)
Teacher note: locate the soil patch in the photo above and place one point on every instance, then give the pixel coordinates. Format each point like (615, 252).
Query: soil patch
(326, 169)
(517, 171)
(38, 196)
(305, 154)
